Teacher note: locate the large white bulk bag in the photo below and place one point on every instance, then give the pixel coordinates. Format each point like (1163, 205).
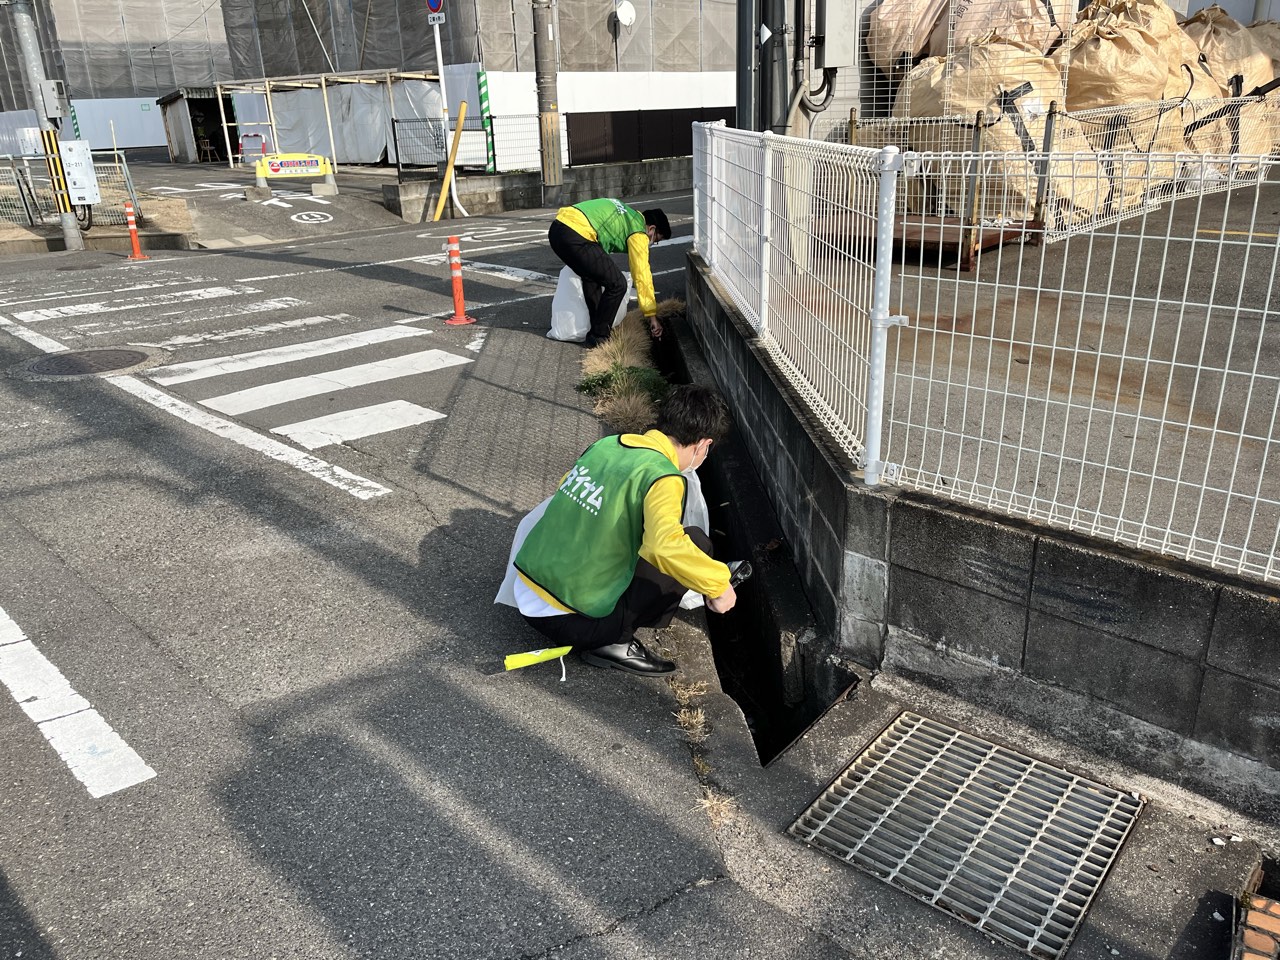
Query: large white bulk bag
(570, 318)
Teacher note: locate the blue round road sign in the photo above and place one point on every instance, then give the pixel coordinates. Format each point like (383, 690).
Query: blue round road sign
(435, 6)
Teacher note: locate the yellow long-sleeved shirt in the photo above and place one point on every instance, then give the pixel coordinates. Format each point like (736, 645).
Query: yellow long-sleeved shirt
(665, 543)
(637, 256)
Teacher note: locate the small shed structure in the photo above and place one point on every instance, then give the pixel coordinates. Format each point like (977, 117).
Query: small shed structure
(344, 116)
(192, 124)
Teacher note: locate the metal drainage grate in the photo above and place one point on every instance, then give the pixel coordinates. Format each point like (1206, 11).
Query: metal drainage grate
(1006, 843)
(82, 363)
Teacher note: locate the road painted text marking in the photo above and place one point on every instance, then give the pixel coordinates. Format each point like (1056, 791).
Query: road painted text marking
(97, 756)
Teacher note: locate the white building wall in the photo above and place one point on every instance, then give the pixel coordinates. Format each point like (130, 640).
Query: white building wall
(514, 94)
(137, 122)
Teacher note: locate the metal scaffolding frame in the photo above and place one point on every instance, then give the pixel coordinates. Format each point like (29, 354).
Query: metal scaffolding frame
(320, 81)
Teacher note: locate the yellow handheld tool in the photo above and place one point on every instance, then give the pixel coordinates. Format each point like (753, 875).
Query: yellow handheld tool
(516, 661)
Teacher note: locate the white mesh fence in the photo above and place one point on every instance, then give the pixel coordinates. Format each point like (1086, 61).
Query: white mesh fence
(1122, 382)
(1092, 338)
(789, 226)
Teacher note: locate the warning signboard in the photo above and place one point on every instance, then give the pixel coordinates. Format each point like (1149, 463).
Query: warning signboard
(435, 6)
(292, 165)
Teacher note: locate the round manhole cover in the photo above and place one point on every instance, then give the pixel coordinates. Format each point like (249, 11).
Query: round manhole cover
(82, 363)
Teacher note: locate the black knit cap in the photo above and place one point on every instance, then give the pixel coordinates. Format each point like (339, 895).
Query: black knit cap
(659, 219)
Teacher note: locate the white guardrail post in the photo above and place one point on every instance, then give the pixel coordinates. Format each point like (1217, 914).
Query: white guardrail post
(766, 216)
(881, 321)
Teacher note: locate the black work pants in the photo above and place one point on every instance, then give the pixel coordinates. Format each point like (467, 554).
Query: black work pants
(650, 601)
(603, 284)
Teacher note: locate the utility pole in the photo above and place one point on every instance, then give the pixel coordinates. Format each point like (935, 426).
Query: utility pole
(24, 25)
(544, 65)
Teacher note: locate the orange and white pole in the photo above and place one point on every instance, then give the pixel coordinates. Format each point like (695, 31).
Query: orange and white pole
(455, 269)
(133, 232)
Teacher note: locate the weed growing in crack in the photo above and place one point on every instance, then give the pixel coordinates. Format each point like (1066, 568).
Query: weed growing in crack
(686, 692)
(693, 721)
(718, 807)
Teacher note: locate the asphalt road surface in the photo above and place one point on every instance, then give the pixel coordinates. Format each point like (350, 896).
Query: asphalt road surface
(259, 571)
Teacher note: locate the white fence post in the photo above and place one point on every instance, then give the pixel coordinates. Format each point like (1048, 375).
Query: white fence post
(881, 321)
(766, 217)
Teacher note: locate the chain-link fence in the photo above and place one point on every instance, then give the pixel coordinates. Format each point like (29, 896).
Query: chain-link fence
(27, 196)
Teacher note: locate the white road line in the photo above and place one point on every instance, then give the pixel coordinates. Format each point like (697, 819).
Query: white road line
(344, 480)
(246, 332)
(37, 340)
(273, 356)
(97, 291)
(97, 756)
(132, 303)
(509, 273)
(189, 316)
(298, 388)
(438, 258)
(354, 424)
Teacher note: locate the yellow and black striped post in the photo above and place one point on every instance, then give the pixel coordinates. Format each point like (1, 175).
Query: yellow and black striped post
(53, 156)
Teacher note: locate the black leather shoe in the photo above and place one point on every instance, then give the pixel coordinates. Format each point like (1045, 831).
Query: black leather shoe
(629, 657)
(594, 341)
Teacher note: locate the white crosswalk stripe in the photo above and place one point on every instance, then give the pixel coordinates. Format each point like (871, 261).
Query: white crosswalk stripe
(133, 303)
(334, 426)
(299, 388)
(358, 423)
(201, 369)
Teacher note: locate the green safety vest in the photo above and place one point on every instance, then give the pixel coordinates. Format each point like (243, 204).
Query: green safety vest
(613, 222)
(584, 550)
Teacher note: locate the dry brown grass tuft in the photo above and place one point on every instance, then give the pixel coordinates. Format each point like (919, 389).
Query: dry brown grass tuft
(701, 767)
(670, 308)
(687, 691)
(632, 339)
(627, 412)
(716, 806)
(599, 359)
(693, 721)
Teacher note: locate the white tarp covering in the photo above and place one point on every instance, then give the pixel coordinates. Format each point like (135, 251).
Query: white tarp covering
(140, 48)
(137, 122)
(332, 36)
(12, 138)
(361, 115)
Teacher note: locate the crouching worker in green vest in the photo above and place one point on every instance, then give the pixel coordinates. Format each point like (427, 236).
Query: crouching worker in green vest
(584, 235)
(610, 554)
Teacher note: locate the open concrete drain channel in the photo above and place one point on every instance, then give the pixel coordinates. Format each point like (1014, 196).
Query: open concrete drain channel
(1004, 842)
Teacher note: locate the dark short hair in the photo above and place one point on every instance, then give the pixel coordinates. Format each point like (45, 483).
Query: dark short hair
(657, 218)
(692, 412)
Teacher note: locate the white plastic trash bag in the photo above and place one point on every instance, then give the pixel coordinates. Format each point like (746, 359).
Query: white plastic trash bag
(695, 515)
(569, 317)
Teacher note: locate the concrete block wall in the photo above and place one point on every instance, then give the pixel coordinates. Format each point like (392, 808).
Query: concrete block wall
(1185, 649)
